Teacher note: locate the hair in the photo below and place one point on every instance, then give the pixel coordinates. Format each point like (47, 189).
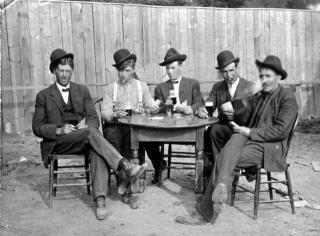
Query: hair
(64, 61)
(126, 63)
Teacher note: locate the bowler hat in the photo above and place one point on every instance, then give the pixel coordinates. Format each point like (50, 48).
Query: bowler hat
(274, 63)
(224, 58)
(171, 56)
(122, 55)
(56, 55)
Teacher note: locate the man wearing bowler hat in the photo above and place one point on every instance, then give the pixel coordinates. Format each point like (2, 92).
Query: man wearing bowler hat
(264, 141)
(232, 89)
(186, 91)
(128, 94)
(66, 119)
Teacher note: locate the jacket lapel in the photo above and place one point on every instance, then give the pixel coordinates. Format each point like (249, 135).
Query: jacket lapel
(56, 97)
(182, 90)
(239, 89)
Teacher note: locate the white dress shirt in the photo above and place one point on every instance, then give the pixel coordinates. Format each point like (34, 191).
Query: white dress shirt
(65, 94)
(233, 87)
(176, 87)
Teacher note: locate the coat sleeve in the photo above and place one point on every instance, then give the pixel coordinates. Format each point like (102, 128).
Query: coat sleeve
(279, 126)
(91, 116)
(158, 95)
(197, 99)
(39, 120)
(213, 96)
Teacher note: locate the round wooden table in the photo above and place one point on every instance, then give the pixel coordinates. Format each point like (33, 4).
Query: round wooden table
(177, 129)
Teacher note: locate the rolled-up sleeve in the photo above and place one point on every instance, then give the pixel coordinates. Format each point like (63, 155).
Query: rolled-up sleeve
(107, 104)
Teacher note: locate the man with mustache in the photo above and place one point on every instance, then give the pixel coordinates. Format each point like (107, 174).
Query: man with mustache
(264, 141)
(66, 119)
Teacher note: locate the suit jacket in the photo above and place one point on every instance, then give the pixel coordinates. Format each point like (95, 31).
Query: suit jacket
(49, 110)
(220, 94)
(274, 126)
(189, 90)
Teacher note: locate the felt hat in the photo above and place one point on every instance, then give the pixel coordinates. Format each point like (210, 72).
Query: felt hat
(56, 55)
(273, 62)
(171, 56)
(224, 58)
(122, 55)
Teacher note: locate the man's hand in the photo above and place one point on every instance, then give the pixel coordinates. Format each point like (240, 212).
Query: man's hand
(154, 108)
(202, 112)
(119, 113)
(186, 110)
(66, 129)
(229, 115)
(82, 124)
(240, 129)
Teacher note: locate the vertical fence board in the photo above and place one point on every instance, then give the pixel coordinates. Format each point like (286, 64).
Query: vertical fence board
(288, 46)
(45, 37)
(78, 42)
(242, 44)
(100, 72)
(200, 38)
(174, 27)
(66, 26)
(316, 47)
(210, 53)
(138, 43)
(55, 20)
(88, 43)
(257, 34)
(250, 65)
(147, 50)
(159, 73)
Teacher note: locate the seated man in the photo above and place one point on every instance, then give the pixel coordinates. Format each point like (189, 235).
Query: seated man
(127, 93)
(231, 89)
(186, 92)
(264, 141)
(66, 119)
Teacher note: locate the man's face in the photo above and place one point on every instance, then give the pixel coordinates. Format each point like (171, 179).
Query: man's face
(174, 71)
(269, 79)
(230, 73)
(63, 74)
(126, 74)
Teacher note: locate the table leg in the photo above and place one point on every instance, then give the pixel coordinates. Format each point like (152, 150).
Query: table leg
(199, 180)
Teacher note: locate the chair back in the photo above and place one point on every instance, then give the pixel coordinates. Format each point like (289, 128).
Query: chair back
(97, 104)
(291, 134)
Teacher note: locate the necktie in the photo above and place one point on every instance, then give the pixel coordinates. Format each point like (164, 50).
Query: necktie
(66, 90)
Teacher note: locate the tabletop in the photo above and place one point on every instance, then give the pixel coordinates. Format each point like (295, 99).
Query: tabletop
(175, 121)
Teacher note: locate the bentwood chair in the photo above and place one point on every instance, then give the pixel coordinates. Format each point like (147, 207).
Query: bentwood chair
(72, 172)
(271, 183)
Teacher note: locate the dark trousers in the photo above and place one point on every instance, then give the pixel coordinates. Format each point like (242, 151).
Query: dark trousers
(238, 151)
(217, 136)
(119, 137)
(101, 153)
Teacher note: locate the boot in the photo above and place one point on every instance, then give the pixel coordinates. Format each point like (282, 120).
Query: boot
(101, 208)
(132, 171)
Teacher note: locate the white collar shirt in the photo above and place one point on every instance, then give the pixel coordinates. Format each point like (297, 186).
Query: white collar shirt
(233, 87)
(176, 87)
(65, 94)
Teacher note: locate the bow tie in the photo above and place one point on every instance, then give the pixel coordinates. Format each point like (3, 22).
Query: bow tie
(66, 90)
(176, 82)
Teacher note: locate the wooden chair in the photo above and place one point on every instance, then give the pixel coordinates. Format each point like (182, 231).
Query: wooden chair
(258, 170)
(55, 168)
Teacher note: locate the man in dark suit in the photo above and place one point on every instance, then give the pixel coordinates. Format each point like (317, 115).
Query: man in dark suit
(232, 89)
(66, 119)
(186, 94)
(264, 141)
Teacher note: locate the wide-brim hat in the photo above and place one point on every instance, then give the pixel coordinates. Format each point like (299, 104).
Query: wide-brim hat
(122, 55)
(56, 55)
(273, 62)
(225, 58)
(171, 56)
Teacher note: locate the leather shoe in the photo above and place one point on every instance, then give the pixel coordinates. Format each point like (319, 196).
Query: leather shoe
(133, 171)
(101, 210)
(132, 201)
(194, 219)
(122, 183)
(219, 197)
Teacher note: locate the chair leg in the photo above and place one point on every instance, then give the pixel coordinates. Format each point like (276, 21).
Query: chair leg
(160, 167)
(50, 183)
(270, 185)
(87, 168)
(169, 160)
(256, 194)
(290, 191)
(234, 188)
(55, 175)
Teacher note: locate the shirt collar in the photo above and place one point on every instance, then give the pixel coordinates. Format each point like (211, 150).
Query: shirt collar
(178, 81)
(235, 84)
(126, 83)
(61, 87)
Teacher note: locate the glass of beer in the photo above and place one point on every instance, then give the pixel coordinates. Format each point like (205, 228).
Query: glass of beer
(173, 97)
(128, 109)
(209, 107)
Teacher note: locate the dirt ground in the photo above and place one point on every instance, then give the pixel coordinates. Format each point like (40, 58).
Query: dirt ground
(25, 210)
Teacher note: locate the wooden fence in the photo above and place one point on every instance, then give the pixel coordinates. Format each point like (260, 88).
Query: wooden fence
(93, 31)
